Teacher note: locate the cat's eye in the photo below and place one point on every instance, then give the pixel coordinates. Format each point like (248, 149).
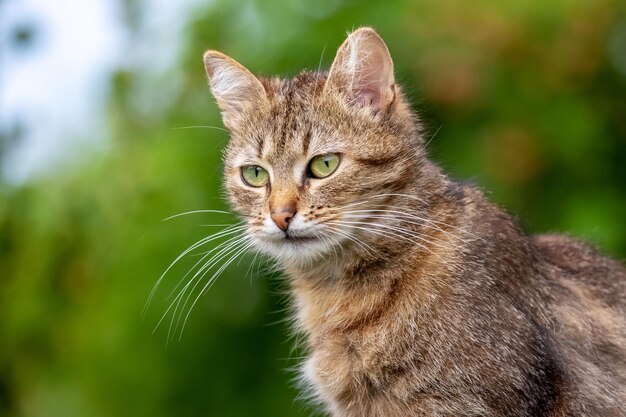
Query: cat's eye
(321, 166)
(254, 175)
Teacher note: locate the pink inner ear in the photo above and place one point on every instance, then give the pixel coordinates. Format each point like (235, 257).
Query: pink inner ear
(363, 70)
(369, 97)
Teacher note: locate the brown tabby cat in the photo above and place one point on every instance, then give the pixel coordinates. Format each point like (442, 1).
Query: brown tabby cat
(417, 296)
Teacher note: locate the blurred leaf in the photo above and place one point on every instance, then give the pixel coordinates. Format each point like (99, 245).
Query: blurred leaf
(526, 98)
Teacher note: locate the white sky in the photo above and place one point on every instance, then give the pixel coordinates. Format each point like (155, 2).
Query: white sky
(57, 88)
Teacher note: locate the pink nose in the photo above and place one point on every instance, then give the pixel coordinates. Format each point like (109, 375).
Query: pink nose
(282, 216)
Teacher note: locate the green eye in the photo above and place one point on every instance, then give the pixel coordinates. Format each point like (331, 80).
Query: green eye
(254, 175)
(321, 166)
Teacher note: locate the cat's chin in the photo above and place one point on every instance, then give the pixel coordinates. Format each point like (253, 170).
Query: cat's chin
(296, 249)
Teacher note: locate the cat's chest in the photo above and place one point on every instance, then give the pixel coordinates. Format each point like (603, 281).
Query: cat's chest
(363, 368)
(341, 366)
(366, 348)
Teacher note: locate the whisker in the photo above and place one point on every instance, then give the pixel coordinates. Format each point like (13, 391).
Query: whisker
(178, 258)
(199, 275)
(251, 267)
(426, 203)
(204, 256)
(210, 282)
(400, 218)
(412, 197)
(199, 127)
(433, 136)
(196, 211)
(389, 235)
(402, 231)
(271, 269)
(367, 248)
(352, 204)
(425, 220)
(228, 243)
(176, 303)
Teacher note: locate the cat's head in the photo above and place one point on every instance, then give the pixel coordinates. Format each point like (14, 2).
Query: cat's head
(310, 158)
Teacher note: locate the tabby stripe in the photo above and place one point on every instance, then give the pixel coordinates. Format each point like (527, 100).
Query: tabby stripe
(382, 161)
(306, 141)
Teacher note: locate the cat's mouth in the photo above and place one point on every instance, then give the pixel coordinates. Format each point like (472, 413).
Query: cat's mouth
(299, 239)
(296, 246)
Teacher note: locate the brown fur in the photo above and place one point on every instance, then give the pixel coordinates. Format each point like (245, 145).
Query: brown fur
(439, 306)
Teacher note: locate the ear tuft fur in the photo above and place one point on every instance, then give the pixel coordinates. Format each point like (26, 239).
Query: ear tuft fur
(235, 88)
(363, 71)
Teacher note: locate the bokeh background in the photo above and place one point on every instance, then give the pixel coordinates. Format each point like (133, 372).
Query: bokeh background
(103, 108)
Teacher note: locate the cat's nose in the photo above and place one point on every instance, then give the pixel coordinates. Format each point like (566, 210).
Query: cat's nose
(282, 216)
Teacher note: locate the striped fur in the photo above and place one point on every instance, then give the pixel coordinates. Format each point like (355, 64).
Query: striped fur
(415, 294)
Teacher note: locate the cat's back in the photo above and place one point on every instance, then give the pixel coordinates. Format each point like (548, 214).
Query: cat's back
(587, 293)
(581, 268)
(588, 312)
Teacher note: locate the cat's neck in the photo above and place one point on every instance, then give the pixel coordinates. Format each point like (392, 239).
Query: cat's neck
(350, 286)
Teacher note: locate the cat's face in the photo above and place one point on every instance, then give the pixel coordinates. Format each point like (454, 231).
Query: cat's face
(310, 158)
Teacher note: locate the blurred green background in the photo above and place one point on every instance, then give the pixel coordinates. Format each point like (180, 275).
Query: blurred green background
(525, 98)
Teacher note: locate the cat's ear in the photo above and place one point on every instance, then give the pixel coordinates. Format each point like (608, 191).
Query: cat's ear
(234, 87)
(363, 71)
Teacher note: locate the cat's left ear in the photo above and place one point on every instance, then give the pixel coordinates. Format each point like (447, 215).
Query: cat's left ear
(235, 88)
(363, 71)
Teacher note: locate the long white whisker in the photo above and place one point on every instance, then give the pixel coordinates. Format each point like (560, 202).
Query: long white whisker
(433, 136)
(426, 203)
(227, 243)
(251, 267)
(382, 233)
(210, 281)
(400, 230)
(224, 252)
(416, 217)
(196, 211)
(399, 218)
(204, 256)
(399, 195)
(355, 240)
(352, 204)
(199, 127)
(178, 258)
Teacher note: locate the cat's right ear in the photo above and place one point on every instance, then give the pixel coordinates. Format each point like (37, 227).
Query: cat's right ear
(234, 87)
(363, 71)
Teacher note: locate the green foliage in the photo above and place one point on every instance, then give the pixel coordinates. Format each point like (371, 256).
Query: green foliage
(525, 98)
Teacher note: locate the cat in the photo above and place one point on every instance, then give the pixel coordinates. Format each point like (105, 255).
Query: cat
(415, 294)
